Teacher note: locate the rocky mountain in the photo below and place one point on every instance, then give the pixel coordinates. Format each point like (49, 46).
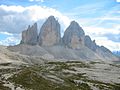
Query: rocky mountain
(74, 45)
(74, 36)
(50, 33)
(45, 61)
(30, 35)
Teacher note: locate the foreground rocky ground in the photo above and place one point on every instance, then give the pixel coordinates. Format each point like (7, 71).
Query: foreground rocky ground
(69, 75)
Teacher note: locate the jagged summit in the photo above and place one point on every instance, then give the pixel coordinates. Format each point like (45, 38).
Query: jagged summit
(74, 44)
(30, 35)
(74, 27)
(51, 18)
(74, 36)
(50, 32)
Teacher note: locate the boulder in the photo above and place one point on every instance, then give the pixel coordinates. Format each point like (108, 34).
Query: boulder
(74, 36)
(30, 35)
(50, 32)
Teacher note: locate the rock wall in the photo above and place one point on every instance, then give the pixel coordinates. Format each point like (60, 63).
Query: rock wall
(89, 43)
(50, 33)
(30, 35)
(74, 36)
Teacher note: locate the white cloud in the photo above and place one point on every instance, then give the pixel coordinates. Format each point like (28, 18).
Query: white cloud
(36, 0)
(38, 12)
(15, 19)
(12, 8)
(113, 46)
(97, 31)
(118, 0)
(11, 40)
(6, 33)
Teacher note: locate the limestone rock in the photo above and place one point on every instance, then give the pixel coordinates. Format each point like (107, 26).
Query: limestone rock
(90, 44)
(104, 49)
(74, 36)
(106, 53)
(50, 32)
(51, 45)
(30, 35)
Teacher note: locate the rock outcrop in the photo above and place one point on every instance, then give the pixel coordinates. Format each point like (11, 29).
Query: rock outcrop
(30, 35)
(74, 36)
(49, 43)
(89, 43)
(106, 53)
(50, 33)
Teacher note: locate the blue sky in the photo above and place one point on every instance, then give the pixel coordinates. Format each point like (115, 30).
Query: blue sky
(99, 18)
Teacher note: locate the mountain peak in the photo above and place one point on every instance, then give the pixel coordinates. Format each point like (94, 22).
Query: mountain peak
(49, 32)
(51, 18)
(74, 27)
(74, 23)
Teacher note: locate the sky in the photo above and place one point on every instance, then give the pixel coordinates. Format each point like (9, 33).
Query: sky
(100, 19)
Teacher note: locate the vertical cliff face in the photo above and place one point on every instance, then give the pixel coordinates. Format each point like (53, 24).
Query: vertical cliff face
(50, 33)
(74, 36)
(30, 35)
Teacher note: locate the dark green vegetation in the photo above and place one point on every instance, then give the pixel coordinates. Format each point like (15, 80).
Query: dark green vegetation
(115, 65)
(35, 77)
(5, 64)
(55, 76)
(68, 64)
(30, 79)
(92, 62)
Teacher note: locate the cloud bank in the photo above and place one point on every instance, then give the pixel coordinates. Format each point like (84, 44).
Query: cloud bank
(15, 19)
